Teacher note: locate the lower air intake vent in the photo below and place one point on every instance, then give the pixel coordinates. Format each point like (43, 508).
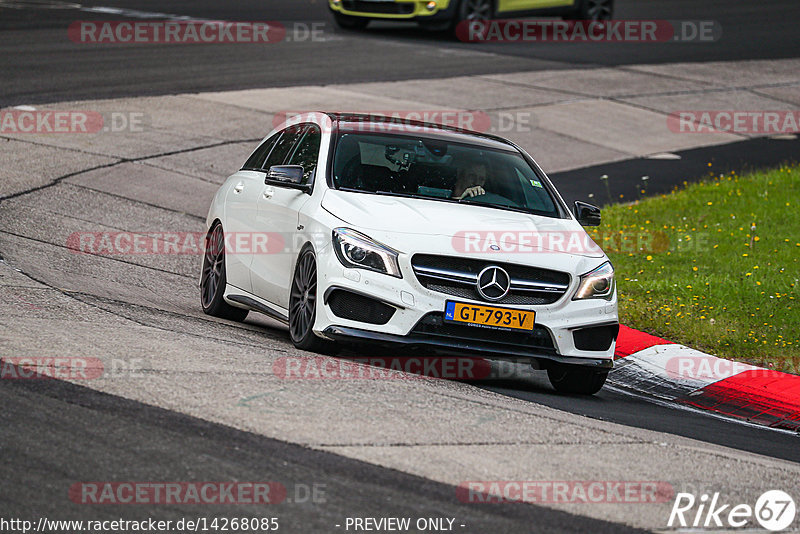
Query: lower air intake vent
(367, 6)
(359, 308)
(595, 338)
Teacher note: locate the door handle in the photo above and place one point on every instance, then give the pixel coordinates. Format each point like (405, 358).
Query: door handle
(238, 188)
(268, 192)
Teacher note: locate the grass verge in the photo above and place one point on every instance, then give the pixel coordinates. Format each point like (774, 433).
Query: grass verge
(714, 266)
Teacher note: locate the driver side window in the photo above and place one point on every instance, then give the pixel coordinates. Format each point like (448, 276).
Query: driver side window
(256, 161)
(306, 153)
(283, 146)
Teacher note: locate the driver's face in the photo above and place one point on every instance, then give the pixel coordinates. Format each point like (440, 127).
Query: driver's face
(475, 175)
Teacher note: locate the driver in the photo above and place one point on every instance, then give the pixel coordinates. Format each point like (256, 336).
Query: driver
(470, 179)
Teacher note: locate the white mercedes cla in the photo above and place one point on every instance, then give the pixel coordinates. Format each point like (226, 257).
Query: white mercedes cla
(359, 229)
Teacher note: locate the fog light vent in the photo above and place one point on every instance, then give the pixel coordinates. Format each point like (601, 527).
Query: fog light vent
(597, 338)
(359, 308)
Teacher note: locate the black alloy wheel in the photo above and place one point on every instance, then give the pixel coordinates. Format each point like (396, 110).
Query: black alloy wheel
(213, 279)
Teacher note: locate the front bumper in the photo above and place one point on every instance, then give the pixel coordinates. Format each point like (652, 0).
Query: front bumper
(398, 10)
(460, 348)
(415, 319)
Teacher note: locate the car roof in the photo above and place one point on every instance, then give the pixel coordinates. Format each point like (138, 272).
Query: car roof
(356, 122)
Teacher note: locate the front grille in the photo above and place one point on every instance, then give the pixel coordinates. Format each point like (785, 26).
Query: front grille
(387, 8)
(458, 276)
(359, 308)
(433, 325)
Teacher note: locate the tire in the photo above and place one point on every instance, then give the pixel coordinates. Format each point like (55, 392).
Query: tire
(576, 380)
(213, 279)
(347, 22)
(477, 11)
(303, 305)
(594, 10)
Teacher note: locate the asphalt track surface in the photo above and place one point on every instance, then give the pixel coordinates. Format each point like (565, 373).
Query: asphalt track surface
(665, 175)
(54, 433)
(40, 64)
(619, 406)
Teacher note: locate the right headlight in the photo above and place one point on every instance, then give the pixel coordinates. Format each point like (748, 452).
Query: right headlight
(354, 249)
(596, 284)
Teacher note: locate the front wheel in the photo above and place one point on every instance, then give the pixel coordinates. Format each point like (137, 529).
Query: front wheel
(576, 380)
(303, 305)
(472, 18)
(475, 10)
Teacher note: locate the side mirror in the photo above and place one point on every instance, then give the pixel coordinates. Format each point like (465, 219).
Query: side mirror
(287, 176)
(587, 214)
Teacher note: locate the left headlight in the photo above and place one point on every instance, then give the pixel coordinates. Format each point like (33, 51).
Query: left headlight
(354, 249)
(597, 284)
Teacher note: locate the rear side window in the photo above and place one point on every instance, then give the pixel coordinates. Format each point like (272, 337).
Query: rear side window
(306, 153)
(256, 161)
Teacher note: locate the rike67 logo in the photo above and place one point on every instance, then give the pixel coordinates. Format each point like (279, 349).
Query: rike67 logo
(774, 510)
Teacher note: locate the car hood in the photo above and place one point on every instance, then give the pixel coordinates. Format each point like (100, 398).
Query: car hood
(471, 228)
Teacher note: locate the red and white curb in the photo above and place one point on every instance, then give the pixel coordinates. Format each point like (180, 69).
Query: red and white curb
(659, 368)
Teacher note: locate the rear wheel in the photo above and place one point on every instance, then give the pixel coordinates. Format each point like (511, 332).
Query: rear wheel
(213, 279)
(347, 22)
(303, 305)
(576, 380)
(595, 10)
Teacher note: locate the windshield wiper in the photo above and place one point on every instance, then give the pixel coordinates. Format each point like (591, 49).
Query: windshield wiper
(382, 193)
(470, 200)
(467, 200)
(405, 195)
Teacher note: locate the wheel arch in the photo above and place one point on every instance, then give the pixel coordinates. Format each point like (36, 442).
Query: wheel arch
(308, 245)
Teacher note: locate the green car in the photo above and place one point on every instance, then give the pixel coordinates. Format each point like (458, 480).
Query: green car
(446, 14)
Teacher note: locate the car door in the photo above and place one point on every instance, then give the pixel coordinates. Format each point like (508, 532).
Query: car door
(240, 214)
(278, 208)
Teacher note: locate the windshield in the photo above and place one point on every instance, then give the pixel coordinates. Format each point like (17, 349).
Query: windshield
(434, 169)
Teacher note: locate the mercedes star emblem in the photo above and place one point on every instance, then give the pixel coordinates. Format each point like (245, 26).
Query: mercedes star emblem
(493, 283)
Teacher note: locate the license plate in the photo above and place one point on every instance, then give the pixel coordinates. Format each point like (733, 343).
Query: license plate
(488, 316)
